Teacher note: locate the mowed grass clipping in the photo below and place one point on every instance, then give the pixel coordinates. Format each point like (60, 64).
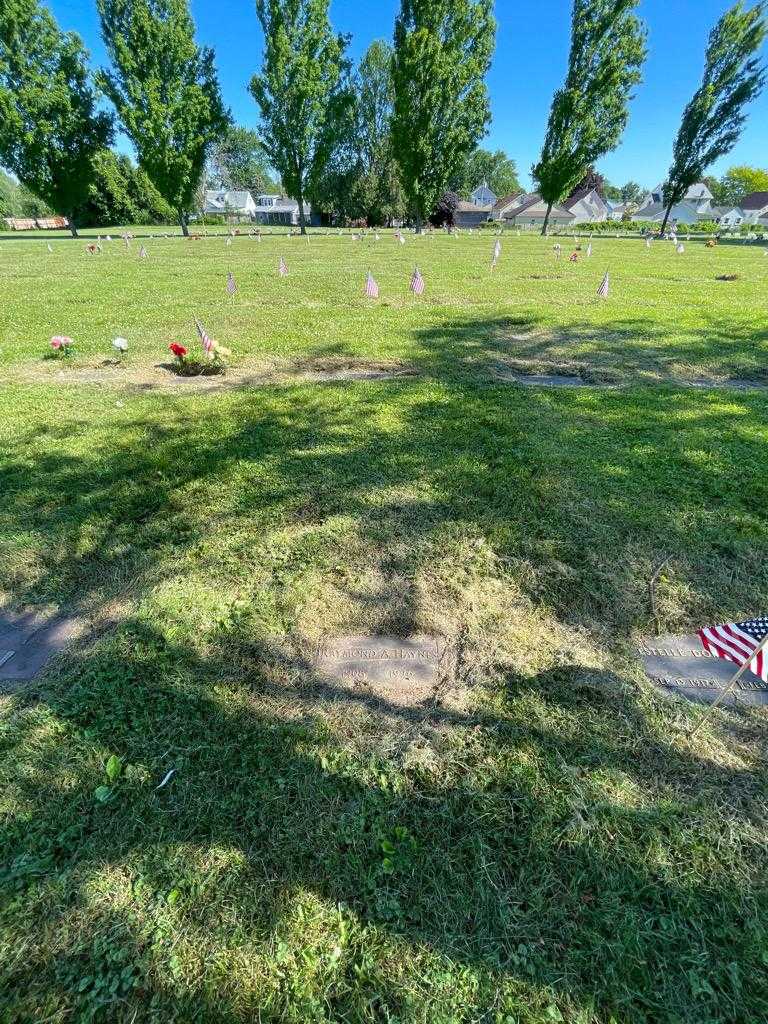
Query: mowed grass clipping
(546, 843)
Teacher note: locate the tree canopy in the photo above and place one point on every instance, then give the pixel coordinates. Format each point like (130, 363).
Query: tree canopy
(238, 160)
(589, 113)
(712, 121)
(50, 126)
(441, 56)
(302, 90)
(496, 168)
(165, 90)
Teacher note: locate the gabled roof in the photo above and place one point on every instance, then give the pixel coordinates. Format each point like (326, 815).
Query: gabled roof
(467, 207)
(532, 200)
(755, 201)
(505, 201)
(568, 204)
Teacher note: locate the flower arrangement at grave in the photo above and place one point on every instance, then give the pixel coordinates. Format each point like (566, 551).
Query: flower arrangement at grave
(211, 360)
(61, 347)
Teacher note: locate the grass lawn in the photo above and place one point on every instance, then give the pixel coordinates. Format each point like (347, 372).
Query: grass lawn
(545, 843)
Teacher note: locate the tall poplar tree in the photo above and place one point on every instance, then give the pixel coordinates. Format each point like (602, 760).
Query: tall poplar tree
(166, 93)
(442, 52)
(302, 91)
(589, 114)
(50, 127)
(712, 121)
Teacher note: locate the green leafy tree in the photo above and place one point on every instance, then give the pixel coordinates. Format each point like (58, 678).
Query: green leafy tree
(739, 182)
(498, 169)
(590, 112)
(50, 127)
(712, 121)
(631, 192)
(377, 186)
(302, 91)
(442, 52)
(611, 192)
(166, 93)
(121, 193)
(9, 190)
(239, 161)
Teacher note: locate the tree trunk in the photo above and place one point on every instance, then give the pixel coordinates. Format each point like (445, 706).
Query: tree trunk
(546, 219)
(418, 222)
(302, 218)
(666, 218)
(73, 227)
(183, 223)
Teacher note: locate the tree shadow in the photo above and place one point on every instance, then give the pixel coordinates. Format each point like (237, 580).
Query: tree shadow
(568, 878)
(561, 839)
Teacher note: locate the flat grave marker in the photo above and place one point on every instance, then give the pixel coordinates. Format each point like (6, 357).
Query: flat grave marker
(404, 672)
(680, 666)
(28, 641)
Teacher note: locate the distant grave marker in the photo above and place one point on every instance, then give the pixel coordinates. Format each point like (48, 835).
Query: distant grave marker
(401, 672)
(680, 666)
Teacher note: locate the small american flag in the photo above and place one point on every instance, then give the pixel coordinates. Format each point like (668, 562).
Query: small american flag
(496, 250)
(229, 241)
(680, 249)
(371, 288)
(231, 286)
(49, 247)
(648, 243)
(417, 282)
(205, 340)
(282, 269)
(602, 291)
(739, 642)
(589, 250)
(400, 237)
(143, 253)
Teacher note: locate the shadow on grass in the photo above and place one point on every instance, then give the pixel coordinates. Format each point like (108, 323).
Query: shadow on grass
(561, 855)
(557, 841)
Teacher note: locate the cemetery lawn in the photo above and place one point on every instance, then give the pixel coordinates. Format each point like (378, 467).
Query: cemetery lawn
(546, 842)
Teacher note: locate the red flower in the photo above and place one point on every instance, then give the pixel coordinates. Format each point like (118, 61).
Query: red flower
(178, 350)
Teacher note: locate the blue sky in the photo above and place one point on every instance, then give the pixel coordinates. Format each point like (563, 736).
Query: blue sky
(531, 53)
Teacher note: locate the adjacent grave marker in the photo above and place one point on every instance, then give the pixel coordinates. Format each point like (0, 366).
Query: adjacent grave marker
(679, 665)
(28, 641)
(402, 672)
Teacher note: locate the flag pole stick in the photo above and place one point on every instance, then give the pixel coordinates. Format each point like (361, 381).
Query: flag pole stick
(743, 668)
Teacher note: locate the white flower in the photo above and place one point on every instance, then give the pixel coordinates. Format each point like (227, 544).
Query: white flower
(120, 344)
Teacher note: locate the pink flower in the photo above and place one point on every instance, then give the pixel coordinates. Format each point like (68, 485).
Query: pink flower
(59, 341)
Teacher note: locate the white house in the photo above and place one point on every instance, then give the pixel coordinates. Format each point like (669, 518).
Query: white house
(530, 211)
(469, 215)
(277, 209)
(229, 203)
(587, 206)
(483, 195)
(755, 207)
(505, 203)
(698, 196)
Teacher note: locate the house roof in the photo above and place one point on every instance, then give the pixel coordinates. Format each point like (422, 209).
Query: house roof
(228, 197)
(755, 201)
(467, 207)
(502, 203)
(582, 194)
(532, 200)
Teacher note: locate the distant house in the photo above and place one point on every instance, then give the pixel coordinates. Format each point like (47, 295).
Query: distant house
(469, 215)
(755, 207)
(229, 203)
(587, 206)
(483, 195)
(697, 204)
(505, 203)
(530, 211)
(616, 211)
(698, 196)
(279, 209)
